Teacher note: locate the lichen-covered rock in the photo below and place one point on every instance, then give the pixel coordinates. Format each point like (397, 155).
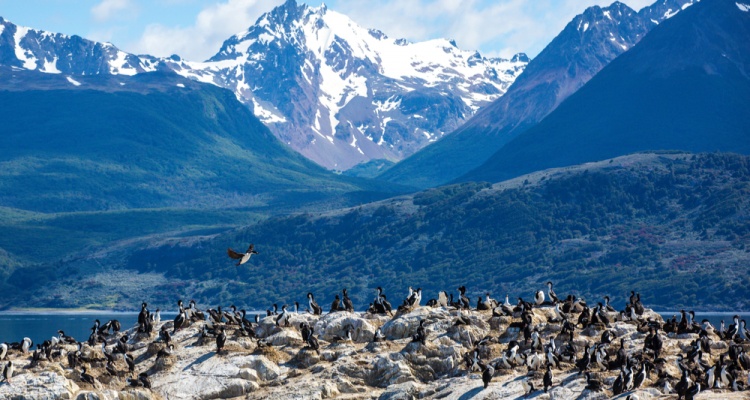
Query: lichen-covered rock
(391, 370)
(437, 321)
(335, 324)
(267, 325)
(265, 369)
(285, 337)
(44, 385)
(128, 394)
(401, 391)
(624, 329)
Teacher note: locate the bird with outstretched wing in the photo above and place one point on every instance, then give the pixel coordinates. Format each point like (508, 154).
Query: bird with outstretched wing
(242, 257)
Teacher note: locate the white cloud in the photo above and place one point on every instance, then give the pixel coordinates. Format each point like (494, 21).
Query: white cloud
(495, 27)
(109, 9)
(211, 27)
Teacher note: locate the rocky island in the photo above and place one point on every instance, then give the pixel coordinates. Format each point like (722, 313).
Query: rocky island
(458, 348)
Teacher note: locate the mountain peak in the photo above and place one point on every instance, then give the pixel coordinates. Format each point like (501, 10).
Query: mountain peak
(365, 95)
(338, 93)
(685, 86)
(520, 57)
(664, 9)
(586, 45)
(32, 49)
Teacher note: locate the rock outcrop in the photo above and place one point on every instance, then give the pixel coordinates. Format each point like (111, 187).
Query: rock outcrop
(277, 364)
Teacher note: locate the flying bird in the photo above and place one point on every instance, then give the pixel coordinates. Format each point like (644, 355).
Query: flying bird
(242, 257)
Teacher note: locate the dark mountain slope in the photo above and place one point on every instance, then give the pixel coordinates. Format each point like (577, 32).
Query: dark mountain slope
(685, 86)
(673, 227)
(107, 161)
(154, 141)
(587, 44)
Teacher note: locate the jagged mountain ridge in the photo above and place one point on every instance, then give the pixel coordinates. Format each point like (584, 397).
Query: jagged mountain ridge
(586, 45)
(336, 92)
(686, 86)
(32, 49)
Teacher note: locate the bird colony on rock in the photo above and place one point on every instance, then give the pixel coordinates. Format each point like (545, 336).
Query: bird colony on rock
(552, 344)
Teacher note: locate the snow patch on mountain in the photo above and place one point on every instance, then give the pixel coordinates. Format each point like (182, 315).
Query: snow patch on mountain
(50, 67)
(26, 57)
(341, 80)
(743, 7)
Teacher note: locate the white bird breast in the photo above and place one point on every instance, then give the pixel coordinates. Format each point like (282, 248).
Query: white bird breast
(245, 258)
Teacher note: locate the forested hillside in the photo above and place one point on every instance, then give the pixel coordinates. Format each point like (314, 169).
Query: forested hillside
(672, 226)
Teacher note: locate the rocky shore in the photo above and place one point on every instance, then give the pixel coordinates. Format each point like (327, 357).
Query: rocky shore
(281, 366)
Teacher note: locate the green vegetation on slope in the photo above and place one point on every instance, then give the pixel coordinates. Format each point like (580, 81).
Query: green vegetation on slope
(89, 150)
(674, 227)
(130, 159)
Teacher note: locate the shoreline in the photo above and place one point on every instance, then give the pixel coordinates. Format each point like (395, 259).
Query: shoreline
(60, 311)
(85, 311)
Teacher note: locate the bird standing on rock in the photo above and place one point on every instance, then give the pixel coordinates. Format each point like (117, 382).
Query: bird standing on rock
(221, 339)
(487, 373)
(8, 372)
(548, 378)
(336, 305)
(539, 297)
(86, 377)
(314, 307)
(348, 305)
(284, 316)
(528, 387)
(421, 335)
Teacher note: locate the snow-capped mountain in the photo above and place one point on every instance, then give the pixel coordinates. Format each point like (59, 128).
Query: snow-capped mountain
(338, 93)
(342, 94)
(31, 49)
(589, 42)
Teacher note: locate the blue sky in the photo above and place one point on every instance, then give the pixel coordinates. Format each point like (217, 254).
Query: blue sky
(195, 29)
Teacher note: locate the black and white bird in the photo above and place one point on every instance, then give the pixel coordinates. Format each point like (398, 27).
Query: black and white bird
(528, 387)
(487, 373)
(378, 336)
(283, 317)
(548, 378)
(314, 307)
(165, 352)
(539, 297)
(618, 386)
(463, 300)
(336, 305)
(346, 338)
(8, 371)
(421, 335)
(348, 305)
(86, 377)
(221, 340)
(26, 344)
(415, 298)
(639, 377)
(551, 293)
(181, 319)
(143, 378)
(242, 257)
(607, 307)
